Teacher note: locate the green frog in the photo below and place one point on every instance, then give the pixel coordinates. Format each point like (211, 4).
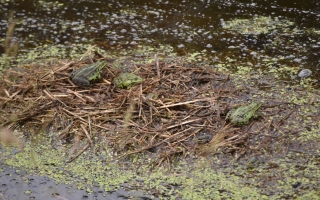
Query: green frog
(243, 114)
(202, 139)
(126, 80)
(88, 74)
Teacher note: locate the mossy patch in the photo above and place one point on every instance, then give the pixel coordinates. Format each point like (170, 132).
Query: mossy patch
(196, 181)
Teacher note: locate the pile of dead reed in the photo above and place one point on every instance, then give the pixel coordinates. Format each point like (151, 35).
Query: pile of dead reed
(178, 108)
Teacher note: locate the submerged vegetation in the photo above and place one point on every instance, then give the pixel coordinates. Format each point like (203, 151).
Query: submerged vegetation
(257, 25)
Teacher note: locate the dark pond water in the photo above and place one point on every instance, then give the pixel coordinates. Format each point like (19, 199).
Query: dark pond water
(17, 184)
(187, 25)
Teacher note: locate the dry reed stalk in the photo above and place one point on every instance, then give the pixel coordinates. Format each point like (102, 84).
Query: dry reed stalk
(167, 112)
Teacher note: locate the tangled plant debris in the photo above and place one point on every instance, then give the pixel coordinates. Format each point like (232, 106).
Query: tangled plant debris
(176, 109)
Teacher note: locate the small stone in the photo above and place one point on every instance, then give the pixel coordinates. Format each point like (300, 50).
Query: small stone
(305, 73)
